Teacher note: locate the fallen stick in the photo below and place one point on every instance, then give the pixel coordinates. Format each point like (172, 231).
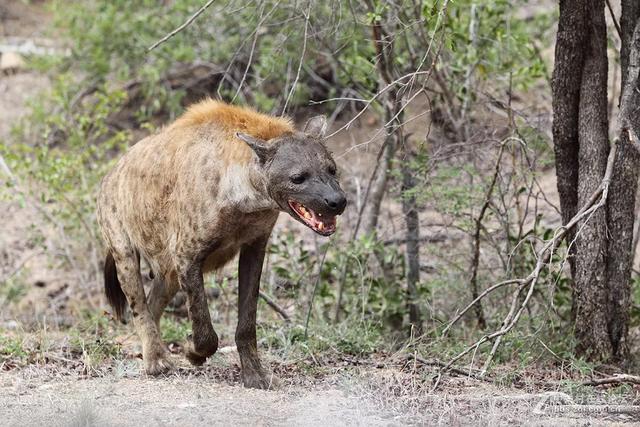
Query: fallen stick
(271, 303)
(472, 373)
(615, 379)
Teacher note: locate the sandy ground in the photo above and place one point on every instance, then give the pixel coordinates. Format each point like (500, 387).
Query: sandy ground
(178, 401)
(31, 397)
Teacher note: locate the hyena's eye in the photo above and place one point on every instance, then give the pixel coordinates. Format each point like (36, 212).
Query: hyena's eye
(298, 178)
(332, 170)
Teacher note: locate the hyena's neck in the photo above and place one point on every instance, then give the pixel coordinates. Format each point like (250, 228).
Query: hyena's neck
(244, 188)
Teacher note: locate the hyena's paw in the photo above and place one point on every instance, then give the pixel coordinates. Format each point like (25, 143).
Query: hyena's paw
(158, 364)
(260, 380)
(198, 352)
(194, 358)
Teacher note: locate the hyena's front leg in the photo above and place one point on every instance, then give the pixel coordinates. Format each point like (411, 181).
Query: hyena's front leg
(250, 269)
(204, 338)
(153, 351)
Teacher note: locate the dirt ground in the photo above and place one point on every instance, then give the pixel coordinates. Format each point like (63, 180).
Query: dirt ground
(35, 396)
(178, 401)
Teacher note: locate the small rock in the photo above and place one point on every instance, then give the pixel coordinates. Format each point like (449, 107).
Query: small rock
(11, 61)
(227, 349)
(10, 324)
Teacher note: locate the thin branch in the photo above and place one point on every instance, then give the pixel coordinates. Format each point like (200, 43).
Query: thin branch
(432, 238)
(615, 379)
(479, 297)
(467, 373)
(271, 303)
(315, 289)
(613, 18)
(304, 51)
(263, 19)
(473, 282)
(181, 27)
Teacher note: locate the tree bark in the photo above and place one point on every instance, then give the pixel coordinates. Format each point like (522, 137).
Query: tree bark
(590, 290)
(412, 221)
(601, 255)
(379, 184)
(624, 185)
(391, 102)
(565, 88)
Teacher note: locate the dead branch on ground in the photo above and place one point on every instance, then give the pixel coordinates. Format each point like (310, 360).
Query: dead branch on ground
(615, 379)
(471, 373)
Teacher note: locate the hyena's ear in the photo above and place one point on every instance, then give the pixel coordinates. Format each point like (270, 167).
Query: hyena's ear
(263, 150)
(316, 127)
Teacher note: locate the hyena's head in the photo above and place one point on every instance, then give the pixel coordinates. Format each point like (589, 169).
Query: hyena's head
(301, 175)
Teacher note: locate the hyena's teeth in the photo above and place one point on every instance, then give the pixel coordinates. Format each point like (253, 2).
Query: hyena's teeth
(321, 226)
(307, 215)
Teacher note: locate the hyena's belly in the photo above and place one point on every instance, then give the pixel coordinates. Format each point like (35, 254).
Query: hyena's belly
(219, 258)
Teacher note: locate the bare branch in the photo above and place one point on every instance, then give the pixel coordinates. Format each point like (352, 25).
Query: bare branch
(475, 301)
(472, 373)
(181, 27)
(304, 51)
(475, 262)
(613, 18)
(271, 303)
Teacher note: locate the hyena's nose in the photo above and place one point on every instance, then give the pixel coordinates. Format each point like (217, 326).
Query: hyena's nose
(336, 202)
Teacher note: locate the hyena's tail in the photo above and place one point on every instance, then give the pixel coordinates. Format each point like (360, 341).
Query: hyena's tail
(112, 288)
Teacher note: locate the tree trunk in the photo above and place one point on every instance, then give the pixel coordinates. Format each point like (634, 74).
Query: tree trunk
(601, 245)
(590, 289)
(392, 103)
(565, 88)
(379, 184)
(412, 221)
(623, 189)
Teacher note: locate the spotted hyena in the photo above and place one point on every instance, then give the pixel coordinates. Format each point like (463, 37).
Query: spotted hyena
(192, 196)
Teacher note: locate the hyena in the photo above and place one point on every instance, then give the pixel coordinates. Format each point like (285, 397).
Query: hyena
(191, 197)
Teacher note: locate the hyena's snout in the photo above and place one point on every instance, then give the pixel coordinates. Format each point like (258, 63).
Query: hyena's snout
(335, 201)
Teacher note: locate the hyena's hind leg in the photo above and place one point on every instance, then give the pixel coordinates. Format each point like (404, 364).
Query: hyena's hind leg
(160, 295)
(154, 354)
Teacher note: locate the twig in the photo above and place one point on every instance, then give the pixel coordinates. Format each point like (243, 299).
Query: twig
(432, 238)
(181, 27)
(315, 288)
(479, 297)
(613, 18)
(271, 303)
(304, 51)
(473, 282)
(467, 373)
(615, 379)
(5, 169)
(354, 233)
(19, 266)
(256, 34)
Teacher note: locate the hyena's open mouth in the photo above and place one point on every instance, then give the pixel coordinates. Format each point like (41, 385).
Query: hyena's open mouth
(325, 225)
